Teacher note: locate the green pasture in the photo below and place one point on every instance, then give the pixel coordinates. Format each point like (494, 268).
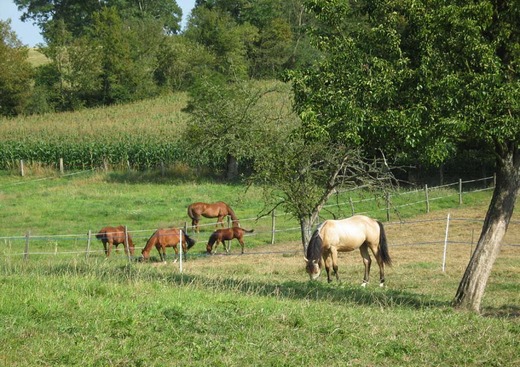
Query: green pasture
(57, 212)
(67, 309)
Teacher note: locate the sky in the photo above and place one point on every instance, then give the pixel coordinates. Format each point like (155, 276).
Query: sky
(30, 35)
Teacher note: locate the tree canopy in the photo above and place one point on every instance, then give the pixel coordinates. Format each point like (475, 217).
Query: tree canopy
(418, 78)
(15, 72)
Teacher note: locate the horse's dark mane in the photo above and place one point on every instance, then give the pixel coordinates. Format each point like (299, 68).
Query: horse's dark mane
(190, 241)
(314, 248)
(213, 238)
(232, 213)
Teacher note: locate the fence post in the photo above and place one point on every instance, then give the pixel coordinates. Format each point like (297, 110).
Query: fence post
(62, 169)
(445, 244)
(228, 244)
(460, 191)
(351, 205)
(26, 251)
(180, 251)
(127, 247)
(387, 207)
(89, 239)
(22, 173)
(273, 225)
(427, 198)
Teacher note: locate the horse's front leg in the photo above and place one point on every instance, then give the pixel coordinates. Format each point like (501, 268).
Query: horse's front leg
(334, 255)
(162, 254)
(367, 262)
(327, 259)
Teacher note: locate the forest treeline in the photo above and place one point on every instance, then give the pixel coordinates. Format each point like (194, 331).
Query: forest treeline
(117, 51)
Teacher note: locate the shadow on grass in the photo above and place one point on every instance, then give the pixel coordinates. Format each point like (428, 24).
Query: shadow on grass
(296, 290)
(340, 293)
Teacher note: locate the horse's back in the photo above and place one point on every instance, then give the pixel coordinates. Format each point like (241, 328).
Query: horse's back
(350, 233)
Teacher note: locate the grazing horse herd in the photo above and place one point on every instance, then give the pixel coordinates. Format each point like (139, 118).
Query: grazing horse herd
(331, 236)
(171, 237)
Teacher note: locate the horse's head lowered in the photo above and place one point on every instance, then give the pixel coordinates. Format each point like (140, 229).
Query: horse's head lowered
(313, 268)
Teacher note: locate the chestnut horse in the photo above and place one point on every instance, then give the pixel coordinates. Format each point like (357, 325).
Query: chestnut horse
(226, 234)
(115, 236)
(215, 210)
(169, 237)
(345, 235)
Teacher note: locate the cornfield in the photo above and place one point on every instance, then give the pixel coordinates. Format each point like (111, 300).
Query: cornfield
(141, 135)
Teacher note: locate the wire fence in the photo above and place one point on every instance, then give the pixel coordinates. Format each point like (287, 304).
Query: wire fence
(283, 228)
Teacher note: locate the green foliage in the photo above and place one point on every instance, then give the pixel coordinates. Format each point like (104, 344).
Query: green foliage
(226, 39)
(242, 119)
(15, 72)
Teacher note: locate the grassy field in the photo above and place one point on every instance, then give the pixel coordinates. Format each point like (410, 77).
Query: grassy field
(237, 310)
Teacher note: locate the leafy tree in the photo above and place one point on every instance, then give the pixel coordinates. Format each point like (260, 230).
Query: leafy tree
(224, 38)
(422, 76)
(78, 15)
(180, 62)
(15, 72)
(233, 124)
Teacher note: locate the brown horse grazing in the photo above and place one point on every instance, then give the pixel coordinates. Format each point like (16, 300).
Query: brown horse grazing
(169, 237)
(345, 235)
(115, 236)
(215, 210)
(226, 234)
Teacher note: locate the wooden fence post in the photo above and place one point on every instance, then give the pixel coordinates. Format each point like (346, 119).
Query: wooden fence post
(273, 225)
(427, 198)
(26, 251)
(460, 191)
(22, 173)
(127, 246)
(62, 169)
(351, 205)
(387, 197)
(89, 240)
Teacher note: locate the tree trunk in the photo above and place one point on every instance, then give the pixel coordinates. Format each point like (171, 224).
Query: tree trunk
(231, 168)
(306, 231)
(473, 283)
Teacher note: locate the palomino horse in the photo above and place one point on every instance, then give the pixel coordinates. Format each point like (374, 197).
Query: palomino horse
(345, 235)
(168, 237)
(215, 210)
(226, 234)
(115, 236)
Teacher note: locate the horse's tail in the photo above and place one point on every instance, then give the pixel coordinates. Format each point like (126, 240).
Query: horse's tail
(248, 230)
(383, 245)
(190, 212)
(314, 247)
(190, 241)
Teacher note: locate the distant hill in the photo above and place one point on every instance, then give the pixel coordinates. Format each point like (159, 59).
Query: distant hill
(36, 58)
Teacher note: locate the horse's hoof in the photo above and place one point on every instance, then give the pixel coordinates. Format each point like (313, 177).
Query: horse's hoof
(364, 284)
(382, 285)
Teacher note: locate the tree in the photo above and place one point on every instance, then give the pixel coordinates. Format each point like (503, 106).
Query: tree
(422, 76)
(78, 14)
(224, 38)
(15, 72)
(233, 124)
